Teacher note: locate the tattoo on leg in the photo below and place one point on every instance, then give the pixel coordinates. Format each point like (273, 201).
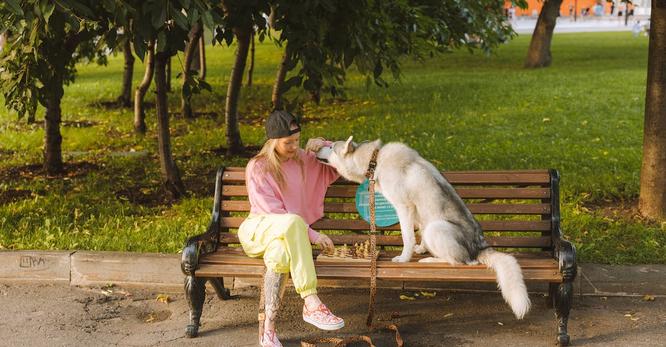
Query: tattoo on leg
(273, 284)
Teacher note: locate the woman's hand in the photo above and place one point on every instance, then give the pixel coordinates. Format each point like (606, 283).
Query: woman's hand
(324, 242)
(315, 144)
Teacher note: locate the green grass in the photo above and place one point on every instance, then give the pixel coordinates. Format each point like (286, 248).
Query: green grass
(582, 116)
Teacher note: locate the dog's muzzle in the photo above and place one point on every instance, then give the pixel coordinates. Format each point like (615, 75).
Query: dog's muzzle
(323, 154)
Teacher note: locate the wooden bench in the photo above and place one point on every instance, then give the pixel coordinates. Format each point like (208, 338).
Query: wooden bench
(518, 210)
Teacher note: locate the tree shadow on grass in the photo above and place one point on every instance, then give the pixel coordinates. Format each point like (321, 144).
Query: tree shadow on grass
(116, 105)
(32, 171)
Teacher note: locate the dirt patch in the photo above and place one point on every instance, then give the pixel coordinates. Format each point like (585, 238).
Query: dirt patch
(248, 151)
(618, 210)
(145, 196)
(115, 104)
(203, 183)
(7, 152)
(13, 195)
(79, 123)
(196, 115)
(31, 171)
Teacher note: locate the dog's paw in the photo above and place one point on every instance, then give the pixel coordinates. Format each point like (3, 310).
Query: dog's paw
(420, 249)
(400, 259)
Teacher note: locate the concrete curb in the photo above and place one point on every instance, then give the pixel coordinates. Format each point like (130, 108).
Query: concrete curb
(52, 266)
(85, 268)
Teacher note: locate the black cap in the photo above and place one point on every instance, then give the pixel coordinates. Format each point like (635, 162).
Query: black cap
(279, 124)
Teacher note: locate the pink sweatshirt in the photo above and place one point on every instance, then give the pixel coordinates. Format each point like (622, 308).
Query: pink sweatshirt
(303, 196)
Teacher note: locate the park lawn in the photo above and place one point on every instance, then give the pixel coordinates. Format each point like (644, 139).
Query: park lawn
(582, 116)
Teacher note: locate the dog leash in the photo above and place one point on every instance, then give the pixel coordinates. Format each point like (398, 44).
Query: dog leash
(370, 175)
(373, 277)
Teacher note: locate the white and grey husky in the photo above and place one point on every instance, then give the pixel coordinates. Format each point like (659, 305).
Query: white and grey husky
(424, 199)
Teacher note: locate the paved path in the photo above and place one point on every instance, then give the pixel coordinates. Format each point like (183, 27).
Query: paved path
(566, 25)
(63, 315)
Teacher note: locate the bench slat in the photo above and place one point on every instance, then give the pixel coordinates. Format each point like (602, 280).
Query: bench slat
(533, 177)
(396, 240)
(358, 225)
(348, 207)
(339, 191)
(235, 255)
(390, 273)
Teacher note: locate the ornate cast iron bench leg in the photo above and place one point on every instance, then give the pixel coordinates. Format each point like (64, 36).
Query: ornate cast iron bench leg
(550, 298)
(562, 301)
(195, 292)
(563, 297)
(222, 293)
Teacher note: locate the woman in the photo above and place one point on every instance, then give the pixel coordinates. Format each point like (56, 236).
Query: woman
(286, 187)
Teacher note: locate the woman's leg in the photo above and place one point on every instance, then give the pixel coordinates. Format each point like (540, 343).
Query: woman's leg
(274, 284)
(283, 242)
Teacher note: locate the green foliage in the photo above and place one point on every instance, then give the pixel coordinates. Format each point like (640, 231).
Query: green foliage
(42, 49)
(327, 37)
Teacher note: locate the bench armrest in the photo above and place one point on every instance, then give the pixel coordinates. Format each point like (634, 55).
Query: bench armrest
(566, 255)
(207, 242)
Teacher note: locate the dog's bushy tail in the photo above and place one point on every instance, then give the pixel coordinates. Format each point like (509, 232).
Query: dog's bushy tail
(509, 279)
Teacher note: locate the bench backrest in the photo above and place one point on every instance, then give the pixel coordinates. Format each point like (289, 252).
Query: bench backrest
(516, 209)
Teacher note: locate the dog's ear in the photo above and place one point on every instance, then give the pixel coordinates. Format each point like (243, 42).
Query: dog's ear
(349, 146)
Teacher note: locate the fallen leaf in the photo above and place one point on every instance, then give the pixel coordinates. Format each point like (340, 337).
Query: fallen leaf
(405, 297)
(150, 318)
(429, 294)
(163, 298)
(448, 315)
(648, 298)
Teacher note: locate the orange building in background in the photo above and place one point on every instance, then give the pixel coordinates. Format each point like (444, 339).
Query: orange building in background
(581, 8)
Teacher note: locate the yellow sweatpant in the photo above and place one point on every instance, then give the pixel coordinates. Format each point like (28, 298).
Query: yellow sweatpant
(282, 240)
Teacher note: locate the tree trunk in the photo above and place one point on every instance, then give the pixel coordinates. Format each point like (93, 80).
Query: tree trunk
(139, 112)
(652, 201)
(170, 174)
(190, 49)
(125, 99)
(250, 70)
(538, 54)
(315, 96)
(31, 117)
(234, 143)
(202, 57)
(168, 76)
(278, 86)
(52, 139)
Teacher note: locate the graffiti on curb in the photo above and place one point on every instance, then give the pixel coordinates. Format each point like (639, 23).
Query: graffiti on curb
(29, 262)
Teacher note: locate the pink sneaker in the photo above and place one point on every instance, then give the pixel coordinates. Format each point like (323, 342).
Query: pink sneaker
(322, 318)
(270, 339)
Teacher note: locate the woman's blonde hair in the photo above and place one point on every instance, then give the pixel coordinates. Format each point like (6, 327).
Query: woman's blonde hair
(271, 162)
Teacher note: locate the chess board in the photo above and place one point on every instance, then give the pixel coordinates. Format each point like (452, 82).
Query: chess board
(357, 253)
